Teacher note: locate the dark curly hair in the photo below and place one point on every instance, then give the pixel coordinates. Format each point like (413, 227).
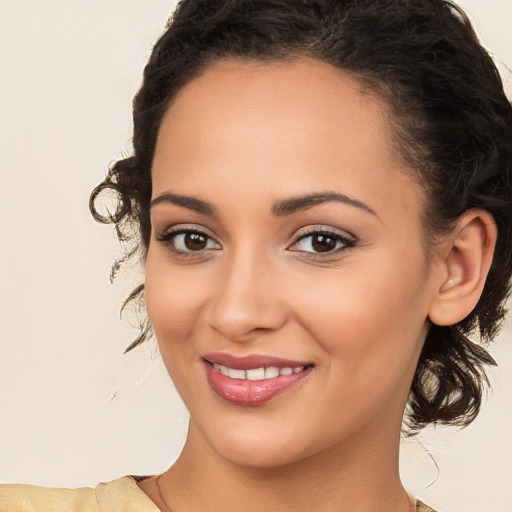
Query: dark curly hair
(451, 121)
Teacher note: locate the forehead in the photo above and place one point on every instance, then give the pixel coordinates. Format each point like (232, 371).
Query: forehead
(278, 128)
(304, 95)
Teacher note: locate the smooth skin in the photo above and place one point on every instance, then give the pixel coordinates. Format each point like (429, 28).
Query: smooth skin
(232, 267)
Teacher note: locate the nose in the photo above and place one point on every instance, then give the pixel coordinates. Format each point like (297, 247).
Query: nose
(245, 302)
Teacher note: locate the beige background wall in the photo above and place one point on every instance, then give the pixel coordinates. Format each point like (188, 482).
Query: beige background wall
(73, 410)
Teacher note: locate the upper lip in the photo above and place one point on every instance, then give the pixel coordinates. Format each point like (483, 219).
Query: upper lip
(251, 361)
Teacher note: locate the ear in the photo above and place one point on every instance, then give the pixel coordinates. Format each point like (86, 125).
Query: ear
(463, 262)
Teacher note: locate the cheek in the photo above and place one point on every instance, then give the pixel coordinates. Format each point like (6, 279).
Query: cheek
(173, 299)
(369, 314)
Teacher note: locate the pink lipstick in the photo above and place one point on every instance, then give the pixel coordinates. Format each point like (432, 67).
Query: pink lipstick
(252, 380)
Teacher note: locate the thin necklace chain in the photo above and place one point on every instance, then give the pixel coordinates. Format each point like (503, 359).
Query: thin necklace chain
(162, 499)
(412, 502)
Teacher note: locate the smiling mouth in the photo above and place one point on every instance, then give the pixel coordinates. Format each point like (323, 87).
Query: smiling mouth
(261, 373)
(257, 383)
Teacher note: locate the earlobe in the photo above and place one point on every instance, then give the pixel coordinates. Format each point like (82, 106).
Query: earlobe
(464, 259)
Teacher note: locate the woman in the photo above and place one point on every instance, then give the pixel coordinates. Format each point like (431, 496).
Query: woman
(322, 191)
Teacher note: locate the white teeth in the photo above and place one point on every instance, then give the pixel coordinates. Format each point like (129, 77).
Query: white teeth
(256, 373)
(271, 372)
(237, 374)
(222, 369)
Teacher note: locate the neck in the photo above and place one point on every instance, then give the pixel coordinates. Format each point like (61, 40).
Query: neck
(359, 475)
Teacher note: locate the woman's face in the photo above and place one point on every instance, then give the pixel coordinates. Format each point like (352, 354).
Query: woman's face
(286, 278)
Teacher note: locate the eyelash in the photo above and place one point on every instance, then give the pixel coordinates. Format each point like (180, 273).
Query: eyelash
(346, 243)
(169, 237)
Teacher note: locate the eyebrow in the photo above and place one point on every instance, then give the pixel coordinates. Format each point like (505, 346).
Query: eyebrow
(295, 204)
(280, 208)
(192, 203)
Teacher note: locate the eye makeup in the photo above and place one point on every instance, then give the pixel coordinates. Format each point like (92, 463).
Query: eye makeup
(321, 242)
(190, 241)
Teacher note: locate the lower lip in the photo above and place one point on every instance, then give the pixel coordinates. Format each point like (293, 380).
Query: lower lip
(251, 392)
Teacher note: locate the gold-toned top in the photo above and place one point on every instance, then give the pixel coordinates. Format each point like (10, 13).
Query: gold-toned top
(421, 507)
(121, 495)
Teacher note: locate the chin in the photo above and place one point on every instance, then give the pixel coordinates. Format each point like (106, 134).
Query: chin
(258, 457)
(255, 447)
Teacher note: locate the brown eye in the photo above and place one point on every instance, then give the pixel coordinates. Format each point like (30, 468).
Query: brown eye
(189, 241)
(323, 243)
(195, 241)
